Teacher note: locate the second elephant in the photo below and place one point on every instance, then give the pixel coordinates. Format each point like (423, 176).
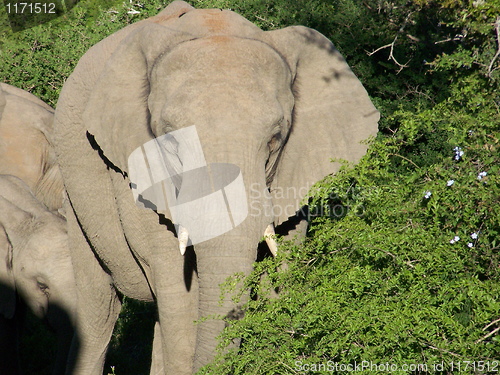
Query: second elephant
(35, 264)
(26, 144)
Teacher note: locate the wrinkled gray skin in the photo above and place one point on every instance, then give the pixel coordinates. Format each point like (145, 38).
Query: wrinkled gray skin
(278, 104)
(26, 148)
(35, 263)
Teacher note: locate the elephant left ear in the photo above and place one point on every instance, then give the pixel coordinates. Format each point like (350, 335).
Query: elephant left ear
(117, 115)
(7, 283)
(332, 115)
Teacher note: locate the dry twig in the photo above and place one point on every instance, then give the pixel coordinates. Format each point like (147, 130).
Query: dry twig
(492, 62)
(391, 46)
(489, 334)
(442, 350)
(490, 324)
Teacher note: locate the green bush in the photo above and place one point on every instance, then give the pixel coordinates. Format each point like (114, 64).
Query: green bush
(40, 59)
(389, 273)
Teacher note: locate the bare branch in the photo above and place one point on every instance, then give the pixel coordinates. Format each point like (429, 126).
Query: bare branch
(488, 335)
(442, 350)
(263, 19)
(456, 38)
(391, 54)
(391, 46)
(380, 48)
(490, 324)
(492, 62)
(408, 160)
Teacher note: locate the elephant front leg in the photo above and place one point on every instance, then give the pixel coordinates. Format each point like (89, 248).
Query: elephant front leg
(157, 355)
(97, 310)
(177, 296)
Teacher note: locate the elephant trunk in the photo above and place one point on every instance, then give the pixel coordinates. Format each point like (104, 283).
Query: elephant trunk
(214, 270)
(244, 201)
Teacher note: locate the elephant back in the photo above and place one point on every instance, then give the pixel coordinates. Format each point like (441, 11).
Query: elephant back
(26, 145)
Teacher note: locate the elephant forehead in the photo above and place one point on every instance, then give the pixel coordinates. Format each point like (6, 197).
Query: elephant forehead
(224, 58)
(221, 73)
(201, 22)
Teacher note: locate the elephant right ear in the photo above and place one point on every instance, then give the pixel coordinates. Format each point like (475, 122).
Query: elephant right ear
(7, 282)
(116, 115)
(332, 115)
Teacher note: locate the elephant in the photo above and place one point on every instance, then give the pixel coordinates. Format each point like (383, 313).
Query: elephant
(26, 145)
(35, 264)
(174, 129)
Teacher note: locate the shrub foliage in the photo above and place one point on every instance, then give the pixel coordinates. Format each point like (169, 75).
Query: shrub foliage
(401, 263)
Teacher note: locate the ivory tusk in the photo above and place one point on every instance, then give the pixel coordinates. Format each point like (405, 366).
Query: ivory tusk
(269, 237)
(183, 237)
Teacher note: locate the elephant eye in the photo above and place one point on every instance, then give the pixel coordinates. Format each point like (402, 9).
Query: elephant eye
(43, 287)
(275, 141)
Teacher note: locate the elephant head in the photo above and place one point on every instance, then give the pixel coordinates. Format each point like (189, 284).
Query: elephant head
(35, 262)
(267, 109)
(26, 145)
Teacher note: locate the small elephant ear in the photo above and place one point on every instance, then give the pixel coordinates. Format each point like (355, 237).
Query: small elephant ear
(7, 283)
(117, 114)
(332, 115)
(26, 204)
(14, 219)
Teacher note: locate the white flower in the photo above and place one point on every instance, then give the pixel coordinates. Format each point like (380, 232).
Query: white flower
(450, 182)
(427, 194)
(474, 235)
(470, 244)
(458, 153)
(455, 239)
(481, 175)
